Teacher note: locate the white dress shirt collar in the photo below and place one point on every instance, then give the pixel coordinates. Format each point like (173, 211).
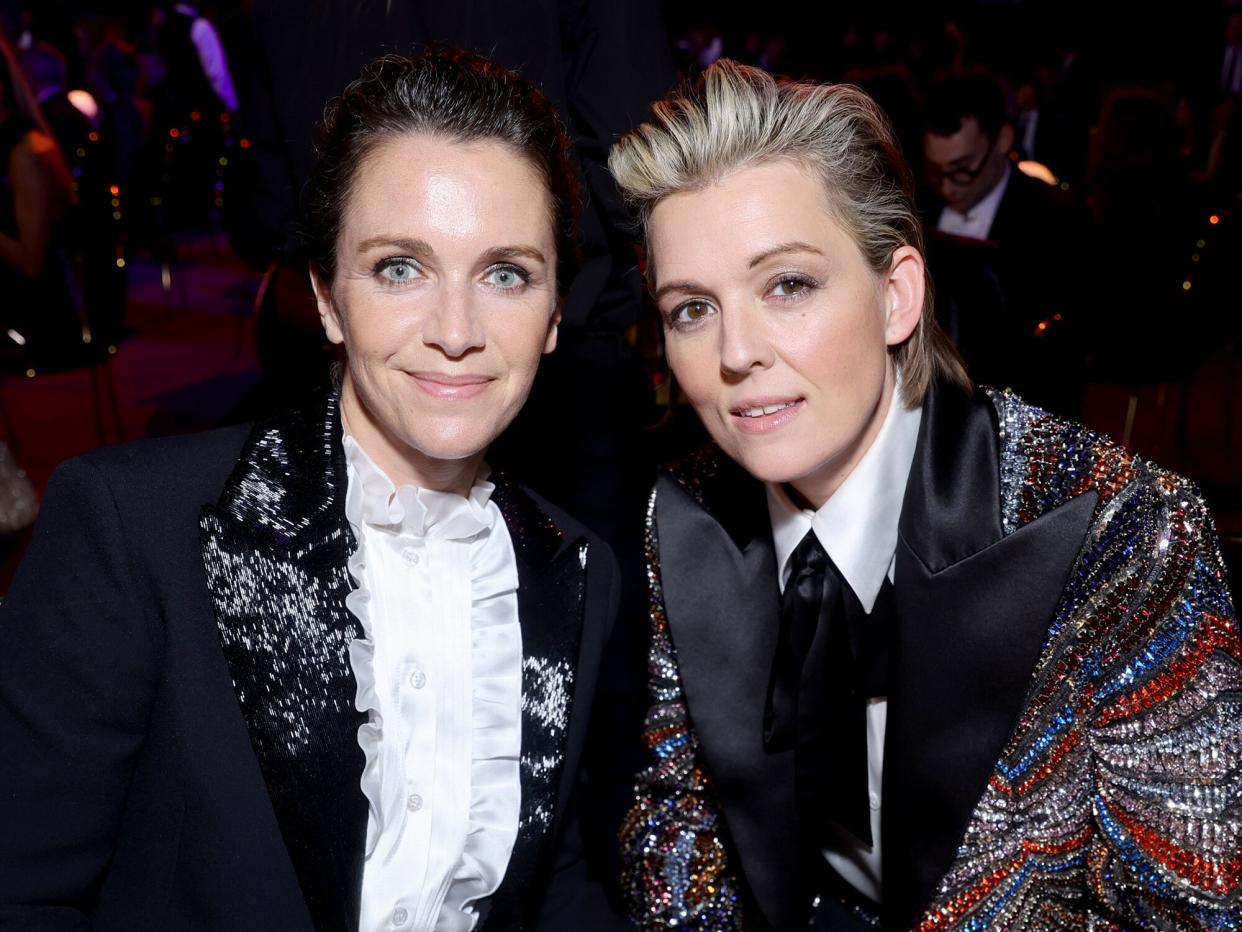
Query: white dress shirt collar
(976, 223)
(424, 512)
(857, 526)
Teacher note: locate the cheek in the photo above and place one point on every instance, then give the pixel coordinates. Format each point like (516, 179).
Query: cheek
(376, 330)
(696, 370)
(849, 337)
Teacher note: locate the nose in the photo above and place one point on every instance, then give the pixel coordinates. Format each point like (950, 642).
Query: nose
(743, 344)
(453, 326)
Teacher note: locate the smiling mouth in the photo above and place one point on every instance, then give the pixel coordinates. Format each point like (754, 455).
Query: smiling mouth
(451, 387)
(761, 410)
(765, 415)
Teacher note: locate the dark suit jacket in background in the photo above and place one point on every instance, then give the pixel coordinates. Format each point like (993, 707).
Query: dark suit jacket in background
(152, 780)
(992, 296)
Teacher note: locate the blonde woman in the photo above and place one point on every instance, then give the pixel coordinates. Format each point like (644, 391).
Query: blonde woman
(923, 655)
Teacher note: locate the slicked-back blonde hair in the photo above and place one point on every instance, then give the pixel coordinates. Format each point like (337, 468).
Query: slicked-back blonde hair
(735, 117)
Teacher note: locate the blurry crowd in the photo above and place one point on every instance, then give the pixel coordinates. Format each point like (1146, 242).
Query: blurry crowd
(1081, 170)
(115, 134)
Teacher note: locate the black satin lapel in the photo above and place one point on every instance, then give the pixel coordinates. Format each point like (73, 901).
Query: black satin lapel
(969, 637)
(952, 506)
(723, 607)
(551, 601)
(278, 581)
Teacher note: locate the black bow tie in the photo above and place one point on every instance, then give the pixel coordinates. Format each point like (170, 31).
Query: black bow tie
(830, 657)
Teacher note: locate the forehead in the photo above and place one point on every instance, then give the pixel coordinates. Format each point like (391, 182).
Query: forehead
(429, 185)
(965, 142)
(746, 213)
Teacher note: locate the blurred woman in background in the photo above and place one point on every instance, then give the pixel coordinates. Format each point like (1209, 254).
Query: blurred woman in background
(36, 314)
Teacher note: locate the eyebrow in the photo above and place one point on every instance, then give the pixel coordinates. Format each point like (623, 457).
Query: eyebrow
(418, 247)
(682, 286)
(767, 254)
(497, 253)
(687, 285)
(415, 247)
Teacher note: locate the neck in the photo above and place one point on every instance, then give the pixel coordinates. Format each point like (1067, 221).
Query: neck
(401, 463)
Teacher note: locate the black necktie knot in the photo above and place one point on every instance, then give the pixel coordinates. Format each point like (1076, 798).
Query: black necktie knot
(808, 557)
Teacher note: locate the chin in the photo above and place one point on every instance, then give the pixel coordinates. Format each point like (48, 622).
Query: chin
(768, 465)
(446, 446)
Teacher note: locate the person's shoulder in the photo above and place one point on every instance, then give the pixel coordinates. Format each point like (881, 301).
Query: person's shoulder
(194, 464)
(1046, 460)
(1038, 195)
(35, 148)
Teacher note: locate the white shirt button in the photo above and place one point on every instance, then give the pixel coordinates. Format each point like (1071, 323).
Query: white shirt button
(399, 915)
(410, 556)
(875, 801)
(418, 679)
(414, 802)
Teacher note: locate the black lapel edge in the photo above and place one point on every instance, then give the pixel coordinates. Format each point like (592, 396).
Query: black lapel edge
(241, 521)
(754, 789)
(551, 610)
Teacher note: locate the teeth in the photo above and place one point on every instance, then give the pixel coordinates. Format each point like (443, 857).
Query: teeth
(762, 410)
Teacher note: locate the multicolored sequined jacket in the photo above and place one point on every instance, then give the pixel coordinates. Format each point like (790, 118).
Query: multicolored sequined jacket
(1063, 745)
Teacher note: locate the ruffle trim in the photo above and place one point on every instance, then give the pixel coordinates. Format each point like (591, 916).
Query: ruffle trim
(495, 655)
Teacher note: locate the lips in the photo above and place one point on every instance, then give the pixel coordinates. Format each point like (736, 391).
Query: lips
(761, 410)
(761, 415)
(451, 386)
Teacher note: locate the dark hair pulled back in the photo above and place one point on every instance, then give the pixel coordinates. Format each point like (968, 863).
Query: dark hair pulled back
(443, 92)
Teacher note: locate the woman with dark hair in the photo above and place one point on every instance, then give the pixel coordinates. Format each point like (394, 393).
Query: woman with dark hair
(35, 192)
(330, 672)
(922, 653)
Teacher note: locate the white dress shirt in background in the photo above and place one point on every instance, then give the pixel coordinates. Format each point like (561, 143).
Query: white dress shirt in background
(976, 223)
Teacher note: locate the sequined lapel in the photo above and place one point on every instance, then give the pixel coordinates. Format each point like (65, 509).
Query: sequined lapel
(275, 549)
(723, 617)
(974, 605)
(551, 600)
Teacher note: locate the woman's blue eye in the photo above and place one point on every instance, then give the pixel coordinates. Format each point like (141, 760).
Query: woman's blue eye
(507, 277)
(398, 271)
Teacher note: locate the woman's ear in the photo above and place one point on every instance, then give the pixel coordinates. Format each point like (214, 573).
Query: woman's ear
(903, 295)
(329, 316)
(550, 344)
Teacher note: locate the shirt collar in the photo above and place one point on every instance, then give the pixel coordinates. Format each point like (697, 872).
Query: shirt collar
(372, 499)
(985, 211)
(857, 526)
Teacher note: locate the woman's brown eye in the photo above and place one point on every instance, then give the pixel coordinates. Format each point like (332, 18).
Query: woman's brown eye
(787, 287)
(692, 312)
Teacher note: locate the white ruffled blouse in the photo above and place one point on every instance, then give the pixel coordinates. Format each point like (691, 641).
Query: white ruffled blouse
(438, 670)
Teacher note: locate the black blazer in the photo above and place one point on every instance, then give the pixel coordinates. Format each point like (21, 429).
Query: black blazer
(152, 780)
